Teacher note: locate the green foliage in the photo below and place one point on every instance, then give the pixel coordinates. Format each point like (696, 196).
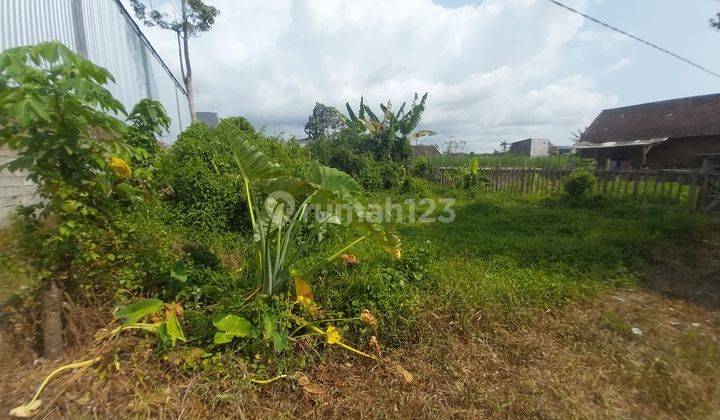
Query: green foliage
(167, 327)
(390, 137)
(147, 121)
(347, 151)
(134, 312)
(324, 121)
(196, 17)
(230, 326)
(198, 181)
(276, 226)
(461, 160)
(54, 106)
(198, 177)
(55, 115)
(580, 183)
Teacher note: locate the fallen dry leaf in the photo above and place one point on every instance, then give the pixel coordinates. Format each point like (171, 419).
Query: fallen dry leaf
(350, 260)
(407, 376)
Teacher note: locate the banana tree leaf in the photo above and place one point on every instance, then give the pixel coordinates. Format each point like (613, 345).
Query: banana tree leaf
(421, 133)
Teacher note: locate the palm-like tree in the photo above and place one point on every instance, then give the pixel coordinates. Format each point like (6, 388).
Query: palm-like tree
(392, 134)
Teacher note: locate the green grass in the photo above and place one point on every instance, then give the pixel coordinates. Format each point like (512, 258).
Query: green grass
(506, 256)
(505, 160)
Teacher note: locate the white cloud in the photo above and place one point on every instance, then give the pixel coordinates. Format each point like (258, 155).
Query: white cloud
(493, 71)
(621, 64)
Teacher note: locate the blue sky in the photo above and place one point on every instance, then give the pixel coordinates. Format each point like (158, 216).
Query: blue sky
(494, 70)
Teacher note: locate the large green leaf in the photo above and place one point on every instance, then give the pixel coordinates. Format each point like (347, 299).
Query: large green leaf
(132, 313)
(253, 164)
(296, 187)
(335, 180)
(174, 330)
(230, 326)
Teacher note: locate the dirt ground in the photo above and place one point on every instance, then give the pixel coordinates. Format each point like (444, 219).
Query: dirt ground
(650, 351)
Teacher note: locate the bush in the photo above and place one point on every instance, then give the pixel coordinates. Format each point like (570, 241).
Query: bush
(199, 178)
(348, 152)
(579, 185)
(199, 182)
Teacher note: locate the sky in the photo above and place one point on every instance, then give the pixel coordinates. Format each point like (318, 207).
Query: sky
(494, 70)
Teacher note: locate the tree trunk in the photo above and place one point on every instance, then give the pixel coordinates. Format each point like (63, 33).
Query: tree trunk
(188, 68)
(191, 98)
(53, 346)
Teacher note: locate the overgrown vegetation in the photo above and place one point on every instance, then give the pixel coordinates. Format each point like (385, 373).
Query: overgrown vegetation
(199, 270)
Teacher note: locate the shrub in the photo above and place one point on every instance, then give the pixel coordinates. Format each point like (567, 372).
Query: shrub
(199, 182)
(346, 152)
(579, 185)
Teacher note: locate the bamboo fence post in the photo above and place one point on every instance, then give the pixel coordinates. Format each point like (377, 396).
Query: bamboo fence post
(678, 196)
(692, 190)
(636, 185)
(705, 183)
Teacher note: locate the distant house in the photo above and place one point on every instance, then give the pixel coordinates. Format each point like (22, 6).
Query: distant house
(209, 118)
(422, 150)
(531, 147)
(678, 133)
(564, 150)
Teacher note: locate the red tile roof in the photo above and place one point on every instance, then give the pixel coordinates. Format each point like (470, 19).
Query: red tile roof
(685, 117)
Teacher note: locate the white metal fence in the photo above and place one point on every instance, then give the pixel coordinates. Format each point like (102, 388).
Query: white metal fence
(104, 32)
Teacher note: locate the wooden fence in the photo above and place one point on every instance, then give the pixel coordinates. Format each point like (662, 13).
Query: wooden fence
(695, 189)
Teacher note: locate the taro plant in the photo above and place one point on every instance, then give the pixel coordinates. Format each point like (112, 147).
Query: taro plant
(392, 135)
(330, 195)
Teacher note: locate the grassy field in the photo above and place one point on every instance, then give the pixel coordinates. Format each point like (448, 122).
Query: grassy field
(522, 306)
(504, 160)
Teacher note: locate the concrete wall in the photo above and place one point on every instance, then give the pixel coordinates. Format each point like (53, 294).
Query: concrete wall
(14, 189)
(531, 147)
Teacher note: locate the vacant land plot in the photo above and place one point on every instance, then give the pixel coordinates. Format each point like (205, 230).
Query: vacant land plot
(521, 307)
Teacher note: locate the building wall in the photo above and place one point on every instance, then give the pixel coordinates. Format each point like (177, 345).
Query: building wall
(531, 147)
(522, 147)
(14, 189)
(673, 153)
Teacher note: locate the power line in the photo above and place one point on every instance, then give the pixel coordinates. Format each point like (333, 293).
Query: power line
(648, 43)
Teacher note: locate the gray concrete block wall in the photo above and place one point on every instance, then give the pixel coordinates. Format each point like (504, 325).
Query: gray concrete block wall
(14, 189)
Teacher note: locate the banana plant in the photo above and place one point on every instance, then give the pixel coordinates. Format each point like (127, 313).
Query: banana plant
(393, 133)
(276, 224)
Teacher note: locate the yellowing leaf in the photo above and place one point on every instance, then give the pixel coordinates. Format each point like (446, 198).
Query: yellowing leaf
(407, 376)
(174, 329)
(120, 167)
(305, 295)
(302, 289)
(333, 335)
(368, 319)
(26, 410)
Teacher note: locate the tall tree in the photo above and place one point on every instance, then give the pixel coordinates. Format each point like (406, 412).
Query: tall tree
(715, 23)
(324, 121)
(195, 17)
(504, 145)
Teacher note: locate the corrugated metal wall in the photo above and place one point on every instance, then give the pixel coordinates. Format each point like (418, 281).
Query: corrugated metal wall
(102, 31)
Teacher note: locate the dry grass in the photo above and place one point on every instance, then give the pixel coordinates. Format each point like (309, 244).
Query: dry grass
(573, 363)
